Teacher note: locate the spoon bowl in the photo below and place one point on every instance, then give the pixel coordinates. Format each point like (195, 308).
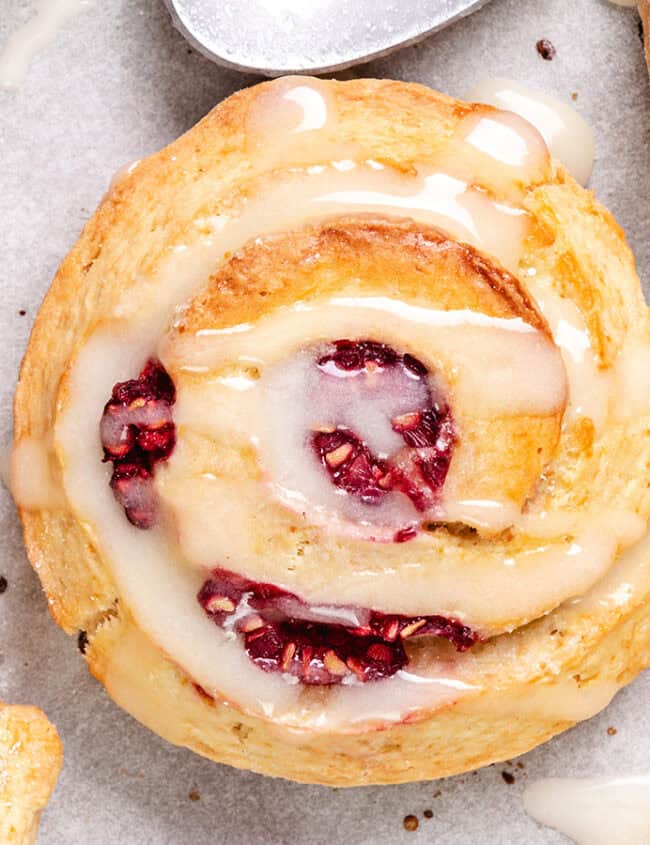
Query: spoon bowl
(274, 37)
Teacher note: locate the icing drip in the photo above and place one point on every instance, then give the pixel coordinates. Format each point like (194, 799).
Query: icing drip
(123, 173)
(591, 388)
(34, 36)
(593, 811)
(294, 121)
(568, 136)
(34, 475)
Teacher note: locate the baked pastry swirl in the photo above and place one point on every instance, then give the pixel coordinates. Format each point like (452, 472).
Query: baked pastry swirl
(30, 762)
(333, 438)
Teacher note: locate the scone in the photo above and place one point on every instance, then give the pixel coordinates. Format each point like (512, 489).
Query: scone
(333, 438)
(30, 761)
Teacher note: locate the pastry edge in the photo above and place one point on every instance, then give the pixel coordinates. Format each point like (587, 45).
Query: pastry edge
(30, 757)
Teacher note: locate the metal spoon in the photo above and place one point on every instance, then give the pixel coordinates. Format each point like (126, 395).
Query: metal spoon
(273, 37)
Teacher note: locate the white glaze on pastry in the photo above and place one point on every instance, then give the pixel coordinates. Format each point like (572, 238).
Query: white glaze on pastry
(592, 389)
(34, 475)
(633, 380)
(568, 136)
(122, 173)
(461, 341)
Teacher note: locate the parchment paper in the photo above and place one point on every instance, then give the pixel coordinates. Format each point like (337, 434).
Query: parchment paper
(119, 83)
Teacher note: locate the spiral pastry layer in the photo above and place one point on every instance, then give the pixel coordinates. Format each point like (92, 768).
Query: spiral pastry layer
(333, 436)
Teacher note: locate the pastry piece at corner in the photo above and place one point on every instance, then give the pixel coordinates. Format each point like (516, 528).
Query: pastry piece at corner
(644, 11)
(30, 762)
(332, 438)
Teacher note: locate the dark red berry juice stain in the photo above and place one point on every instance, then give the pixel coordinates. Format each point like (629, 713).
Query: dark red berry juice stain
(282, 633)
(137, 432)
(419, 469)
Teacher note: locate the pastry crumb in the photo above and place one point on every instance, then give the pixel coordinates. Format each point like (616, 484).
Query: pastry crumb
(411, 822)
(22, 312)
(82, 641)
(611, 731)
(574, 96)
(508, 777)
(428, 814)
(520, 765)
(437, 794)
(194, 795)
(3, 584)
(546, 49)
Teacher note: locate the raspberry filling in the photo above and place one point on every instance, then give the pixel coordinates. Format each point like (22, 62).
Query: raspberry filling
(319, 645)
(137, 432)
(419, 468)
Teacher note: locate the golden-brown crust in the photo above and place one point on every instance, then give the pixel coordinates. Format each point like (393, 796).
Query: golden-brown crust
(399, 258)
(30, 762)
(574, 240)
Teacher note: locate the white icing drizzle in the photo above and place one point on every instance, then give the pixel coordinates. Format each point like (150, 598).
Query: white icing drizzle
(591, 388)
(632, 378)
(122, 173)
(624, 585)
(293, 121)
(40, 31)
(505, 149)
(554, 700)
(34, 476)
(501, 139)
(290, 106)
(489, 358)
(593, 811)
(492, 594)
(305, 196)
(568, 136)
(596, 392)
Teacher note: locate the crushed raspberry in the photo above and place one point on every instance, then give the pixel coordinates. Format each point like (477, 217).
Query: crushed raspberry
(284, 634)
(137, 432)
(351, 465)
(419, 469)
(405, 534)
(356, 355)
